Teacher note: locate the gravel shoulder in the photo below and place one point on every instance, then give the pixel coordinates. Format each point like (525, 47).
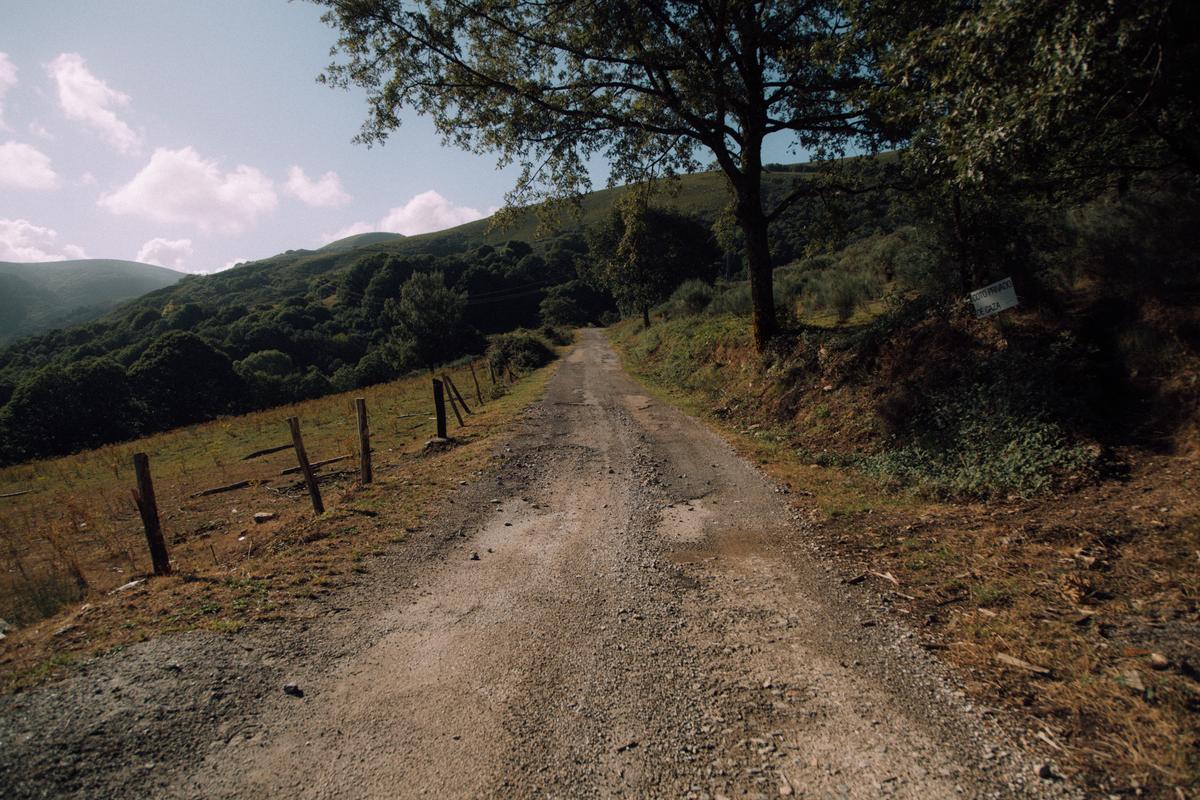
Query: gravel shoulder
(624, 608)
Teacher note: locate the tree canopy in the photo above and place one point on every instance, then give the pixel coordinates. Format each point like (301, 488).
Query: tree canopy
(1052, 93)
(651, 87)
(643, 253)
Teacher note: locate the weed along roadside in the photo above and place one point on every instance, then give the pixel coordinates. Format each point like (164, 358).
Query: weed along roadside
(1066, 604)
(247, 542)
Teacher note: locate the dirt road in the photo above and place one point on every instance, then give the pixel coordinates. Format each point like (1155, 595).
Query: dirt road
(626, 609)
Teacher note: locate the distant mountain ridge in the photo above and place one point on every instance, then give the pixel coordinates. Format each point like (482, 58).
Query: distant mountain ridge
(39, 296)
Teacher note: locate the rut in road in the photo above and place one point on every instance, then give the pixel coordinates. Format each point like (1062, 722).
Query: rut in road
(632, 627)
(626, 609)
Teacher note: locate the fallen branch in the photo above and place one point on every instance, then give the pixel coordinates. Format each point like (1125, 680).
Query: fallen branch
(267, 451)
(229, 488)
(1012, 661)
(16, 494)
(887, 576)
(315, 464)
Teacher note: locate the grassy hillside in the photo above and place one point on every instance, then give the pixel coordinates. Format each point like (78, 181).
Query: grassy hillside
(304, 323)
(37, 296)
(359, 240)
(702, 194)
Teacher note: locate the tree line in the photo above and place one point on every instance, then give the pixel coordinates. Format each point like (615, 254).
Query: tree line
(991, 104)
(194, 352)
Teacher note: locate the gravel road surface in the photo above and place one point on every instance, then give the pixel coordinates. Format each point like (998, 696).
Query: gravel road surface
(625, 608)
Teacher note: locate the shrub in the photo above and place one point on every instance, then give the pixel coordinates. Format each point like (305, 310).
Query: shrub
(519, 351)
(844, 293)
(735, 299)
(690, 298)
(560, 309)
(556, 335)
(267, 362)
(982, 436)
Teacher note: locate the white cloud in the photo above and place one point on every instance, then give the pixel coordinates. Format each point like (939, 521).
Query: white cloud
(21, 240)
(233, 262)
(25, 167)
(84, 97)
(40, 131)
(425, 212)
(180, 186)
(325, 192)
(8, 79)
(171, 253)
(87, 179)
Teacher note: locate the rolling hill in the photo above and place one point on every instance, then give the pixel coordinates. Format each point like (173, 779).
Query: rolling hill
(35, 297)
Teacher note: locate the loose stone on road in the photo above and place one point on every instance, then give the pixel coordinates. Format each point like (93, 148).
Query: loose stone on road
(626, 609)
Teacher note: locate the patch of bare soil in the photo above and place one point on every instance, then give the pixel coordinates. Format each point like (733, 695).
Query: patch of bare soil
(624, 607)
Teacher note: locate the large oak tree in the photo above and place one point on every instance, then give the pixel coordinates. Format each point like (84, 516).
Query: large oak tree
(653, 87)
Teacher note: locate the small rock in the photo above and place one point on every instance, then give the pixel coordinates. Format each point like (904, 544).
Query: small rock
(1159, 661)
(474, 555)
(263, 516)
(293, 689)
(785, 790)
(1046, 772)
(1133, 680)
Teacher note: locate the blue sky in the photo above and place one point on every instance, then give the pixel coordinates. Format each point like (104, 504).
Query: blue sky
(193, 135)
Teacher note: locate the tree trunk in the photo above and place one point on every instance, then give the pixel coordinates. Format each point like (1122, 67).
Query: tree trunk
(753, 221)
(646, 316)
(966, 276)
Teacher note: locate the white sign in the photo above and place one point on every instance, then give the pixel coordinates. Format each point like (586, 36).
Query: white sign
(995, 298)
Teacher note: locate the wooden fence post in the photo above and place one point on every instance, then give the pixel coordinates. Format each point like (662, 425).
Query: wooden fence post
(453, 406)
(439, 407)
(454, 390)
(491, 371)
(148, 508)
(310, 479)
(364, 442)
(478, 393)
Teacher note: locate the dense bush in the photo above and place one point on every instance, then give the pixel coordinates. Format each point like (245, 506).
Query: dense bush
(517, 352)
(556, 335)
(690, 298)
(62, 409)
(978, 442)
(732, 298)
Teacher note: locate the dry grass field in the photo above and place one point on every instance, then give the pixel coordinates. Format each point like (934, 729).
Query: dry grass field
(70, 544)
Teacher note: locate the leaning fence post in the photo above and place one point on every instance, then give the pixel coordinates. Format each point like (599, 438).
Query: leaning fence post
(310, 479)
(478, 393)
(148, 508)
(453, 406)
(364, 441)
(491, 371)
(439, 407)
(454, 390)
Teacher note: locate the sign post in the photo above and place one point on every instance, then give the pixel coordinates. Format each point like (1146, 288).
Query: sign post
(995, 298)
